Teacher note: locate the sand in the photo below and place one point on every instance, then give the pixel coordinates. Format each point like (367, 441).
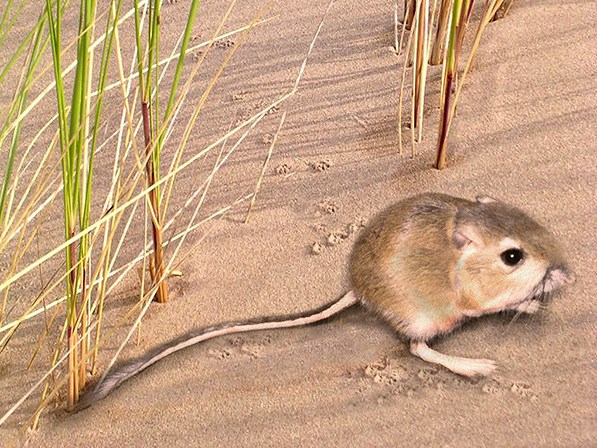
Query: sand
(525, 133)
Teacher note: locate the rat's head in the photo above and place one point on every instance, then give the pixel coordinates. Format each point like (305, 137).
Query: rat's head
(507, 260)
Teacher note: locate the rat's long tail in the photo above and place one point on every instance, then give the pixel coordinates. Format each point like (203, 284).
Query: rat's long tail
(116, 378)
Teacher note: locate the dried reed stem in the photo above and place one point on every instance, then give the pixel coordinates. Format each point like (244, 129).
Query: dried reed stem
(267, 159)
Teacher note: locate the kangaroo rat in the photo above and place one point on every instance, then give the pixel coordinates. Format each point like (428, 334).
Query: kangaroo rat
(425, 264)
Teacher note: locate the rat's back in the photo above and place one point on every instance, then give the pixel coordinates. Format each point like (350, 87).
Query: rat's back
(403, 264)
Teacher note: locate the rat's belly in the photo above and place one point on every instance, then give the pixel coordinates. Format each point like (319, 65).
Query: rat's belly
(420, 321)
(425, 326)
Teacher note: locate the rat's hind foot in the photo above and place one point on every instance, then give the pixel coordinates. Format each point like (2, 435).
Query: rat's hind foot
(462, 366)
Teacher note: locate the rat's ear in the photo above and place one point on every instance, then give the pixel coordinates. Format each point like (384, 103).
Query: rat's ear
(465, 237)
(482, 199)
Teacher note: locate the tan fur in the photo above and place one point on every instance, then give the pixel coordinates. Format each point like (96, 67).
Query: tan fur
(403, 265)
(430, 261)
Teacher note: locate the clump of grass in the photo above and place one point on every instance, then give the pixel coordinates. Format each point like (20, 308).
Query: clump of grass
(77, 159)
(441, 29)
(88, 265)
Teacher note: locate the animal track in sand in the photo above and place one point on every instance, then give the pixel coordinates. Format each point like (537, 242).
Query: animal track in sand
(355, 225)
(251, 347)
(252, 350)
(347, 230)
(328, 206)
(321, 165)
(264, 103)
(219, 354)
(239, 96)
(393, 378)
(320, 228)
(334, 238)
(491, 388)
(272, 110)
(224, 43)
(316, 249)
(267, 138)
(387, 372)
(235, 341)
(524, 390)
(283, 169)
(389, 377)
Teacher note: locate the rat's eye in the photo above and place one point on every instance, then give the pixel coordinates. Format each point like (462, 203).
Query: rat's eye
(512, 257)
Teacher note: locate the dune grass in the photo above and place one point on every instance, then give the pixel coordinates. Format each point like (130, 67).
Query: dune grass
(437, 33)
(60, 161)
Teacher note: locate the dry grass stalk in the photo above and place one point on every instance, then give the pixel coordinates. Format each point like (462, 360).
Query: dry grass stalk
(264, 167)
(429, 45)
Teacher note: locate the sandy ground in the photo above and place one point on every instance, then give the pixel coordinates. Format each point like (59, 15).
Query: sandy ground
(525, 134)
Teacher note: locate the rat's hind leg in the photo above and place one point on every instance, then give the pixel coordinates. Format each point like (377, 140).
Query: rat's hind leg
(461, 366)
